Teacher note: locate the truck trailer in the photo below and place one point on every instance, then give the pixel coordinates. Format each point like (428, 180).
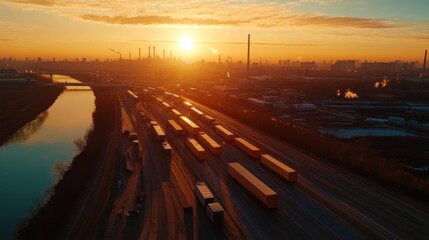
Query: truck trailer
(196, 113)
(176, 114)
(203, 194)
(215, 213)
(190, 126)
(278, 167)
(176, 127)
(255, 186)
(224, 133)
(159, 133)
(209, 143)
(196, 148)
(247, 147)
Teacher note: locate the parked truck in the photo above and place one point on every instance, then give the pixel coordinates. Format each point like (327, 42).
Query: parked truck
(208, 119)
(247, 147)
(278, 167)
(196, 148)
(190, 126)
(215, 213)
(224, 133)
(255, 186)
(196, 113)
(203, 194)
(159, 133)
(176, 114)
(176, 127)
(209, 143)
(166, 105)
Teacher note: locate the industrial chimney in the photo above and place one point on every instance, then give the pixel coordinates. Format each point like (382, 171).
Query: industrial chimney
(424, 61)
(248, 51)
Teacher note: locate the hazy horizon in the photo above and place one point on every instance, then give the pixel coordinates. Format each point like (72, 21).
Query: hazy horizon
(305, 30)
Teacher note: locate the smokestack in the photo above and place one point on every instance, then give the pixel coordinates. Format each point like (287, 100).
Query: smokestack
(163, 54)
(424, 61)
(248, 51)
(219, 58)
(139, 54)
(148, 50)
(154, 56)
(171, 55)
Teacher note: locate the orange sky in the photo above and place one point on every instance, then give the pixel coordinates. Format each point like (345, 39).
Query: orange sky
(303, 30)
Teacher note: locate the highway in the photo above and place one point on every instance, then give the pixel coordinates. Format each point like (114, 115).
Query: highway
(326, 202)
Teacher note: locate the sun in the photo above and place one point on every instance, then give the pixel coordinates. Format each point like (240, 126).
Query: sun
(186, 44)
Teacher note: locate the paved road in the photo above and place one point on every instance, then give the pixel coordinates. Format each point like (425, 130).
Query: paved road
(327, 201)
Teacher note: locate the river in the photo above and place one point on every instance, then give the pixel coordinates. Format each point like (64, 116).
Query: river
(27, 161)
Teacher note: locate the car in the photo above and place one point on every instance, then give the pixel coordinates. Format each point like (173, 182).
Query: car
(133, 213)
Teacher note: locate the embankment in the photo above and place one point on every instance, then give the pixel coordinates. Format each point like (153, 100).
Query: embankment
(49, 221)
(20, 104)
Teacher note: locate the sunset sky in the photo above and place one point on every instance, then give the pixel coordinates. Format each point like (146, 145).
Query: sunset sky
(306, 30)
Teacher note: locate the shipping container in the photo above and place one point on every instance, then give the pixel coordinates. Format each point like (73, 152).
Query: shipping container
(167, 95)
(190, 126)
(209, 143)
(208, 119)
(136, 145)
(215, 213)
(187, 104)
(224, 133)
(166, 148)
(159, 132)
(177, 98)
(133, 136)
(166, 105)
(247, 147)
(196, 148)
(255, 186)
(153, 123)
(176, 127)
(133, 96)
(196, 113)
(159, 100)
(176, 114)
(203, 193)
(278, 167)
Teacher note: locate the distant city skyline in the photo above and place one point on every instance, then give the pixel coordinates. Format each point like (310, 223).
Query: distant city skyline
(305, 30)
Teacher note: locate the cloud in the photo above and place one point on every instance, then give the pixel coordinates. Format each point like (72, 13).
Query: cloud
(263, 14)
(6, 40)
(157, 20)
(338, 21)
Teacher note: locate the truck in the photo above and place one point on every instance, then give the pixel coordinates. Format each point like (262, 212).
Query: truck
(190, 126)
(176, 127)
(166, 148)
(159, 132)
(136, 145)
(224, 133)
(196, 148)
(203, 194)
(176, 114)
(215, 213)
(208, 119)
(252, 184)
(278, 167)
(166, 105)
(196, 113)
(187, 104)
(247, 147)
(209, 143)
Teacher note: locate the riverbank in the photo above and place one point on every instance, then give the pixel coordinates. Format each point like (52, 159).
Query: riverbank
(50, 220)
(20, 104)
